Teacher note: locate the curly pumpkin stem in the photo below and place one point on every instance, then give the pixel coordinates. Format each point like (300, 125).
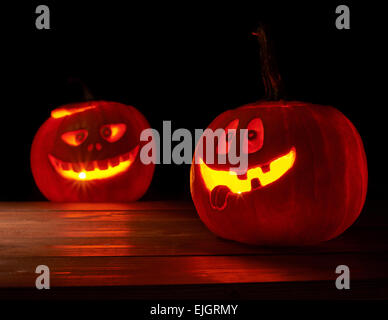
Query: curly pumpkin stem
(269, 71)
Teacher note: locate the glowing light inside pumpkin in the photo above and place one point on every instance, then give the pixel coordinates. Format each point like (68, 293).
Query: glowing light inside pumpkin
(277, 168)
(62, 112)
(113, 167)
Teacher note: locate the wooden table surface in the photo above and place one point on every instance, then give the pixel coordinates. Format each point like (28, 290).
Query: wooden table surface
(161, 250)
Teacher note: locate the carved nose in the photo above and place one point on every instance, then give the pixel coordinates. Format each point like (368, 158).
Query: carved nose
(98, 146)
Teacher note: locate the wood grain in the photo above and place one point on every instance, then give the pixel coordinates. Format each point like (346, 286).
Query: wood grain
(127, 230)
(126, 271)
(151, 244)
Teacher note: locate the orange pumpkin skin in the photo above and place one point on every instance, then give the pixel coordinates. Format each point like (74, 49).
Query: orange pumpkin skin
(318, 198)
(105, 164)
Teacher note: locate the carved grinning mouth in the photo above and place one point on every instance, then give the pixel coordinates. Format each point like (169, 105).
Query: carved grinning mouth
(96, 169)
(221, 183)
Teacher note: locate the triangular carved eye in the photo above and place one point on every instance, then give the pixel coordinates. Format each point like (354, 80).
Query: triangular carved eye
(227, 138)
(255, 136)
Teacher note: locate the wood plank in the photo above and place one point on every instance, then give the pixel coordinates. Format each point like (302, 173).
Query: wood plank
(130, 271)
(373, 213)
(135, 232)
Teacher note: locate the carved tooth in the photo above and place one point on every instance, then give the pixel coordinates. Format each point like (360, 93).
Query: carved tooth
(114, 161)
(102, 164)
(76, 167)
(65, 166)
(243, 176)
(89, 166)
(255, 183)
(125, 157)
(265, 168)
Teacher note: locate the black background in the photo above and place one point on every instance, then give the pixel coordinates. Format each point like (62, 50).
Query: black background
(185, 62)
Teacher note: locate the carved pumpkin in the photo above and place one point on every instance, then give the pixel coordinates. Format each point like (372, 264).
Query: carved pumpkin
(90, 152)
(306, 179)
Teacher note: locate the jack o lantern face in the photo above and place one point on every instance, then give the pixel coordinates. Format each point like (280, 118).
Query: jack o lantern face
(91, 149)
(224, 182)
(94, 168)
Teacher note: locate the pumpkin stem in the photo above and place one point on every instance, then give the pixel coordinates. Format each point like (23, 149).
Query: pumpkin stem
(86, 94)
(269, 71)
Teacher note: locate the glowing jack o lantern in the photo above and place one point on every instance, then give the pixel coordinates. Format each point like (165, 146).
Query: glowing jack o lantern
(306, 179)
(89, 152)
